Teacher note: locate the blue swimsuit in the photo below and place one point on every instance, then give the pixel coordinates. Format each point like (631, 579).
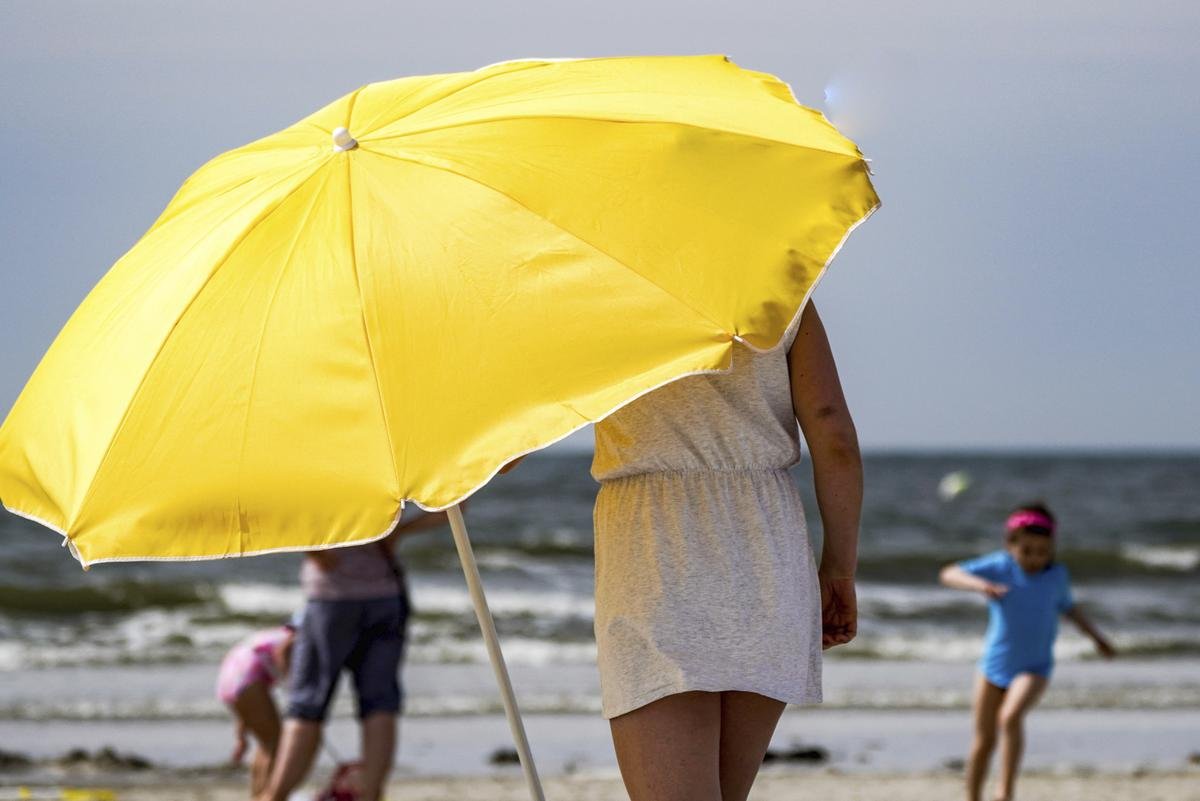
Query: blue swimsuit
(1023, 624)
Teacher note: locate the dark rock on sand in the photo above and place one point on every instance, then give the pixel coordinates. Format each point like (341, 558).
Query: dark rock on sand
(504, 756)
(104, 759)
(812, 756)
(75, 756)
(11, 760)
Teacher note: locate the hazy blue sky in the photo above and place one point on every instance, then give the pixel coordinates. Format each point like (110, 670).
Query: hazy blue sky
(1033, 278)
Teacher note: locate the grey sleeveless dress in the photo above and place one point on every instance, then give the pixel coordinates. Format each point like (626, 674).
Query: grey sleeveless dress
(705, 578)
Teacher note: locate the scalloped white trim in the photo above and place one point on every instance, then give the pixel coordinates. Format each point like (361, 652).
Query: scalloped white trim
(86, 564)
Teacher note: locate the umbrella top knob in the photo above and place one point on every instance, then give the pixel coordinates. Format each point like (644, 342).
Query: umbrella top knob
(342, 140)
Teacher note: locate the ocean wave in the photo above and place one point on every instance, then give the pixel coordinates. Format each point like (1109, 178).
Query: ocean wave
(1175, 558)
(545, 617)
(119, 596)
(439, 598)
(262, 600)
(932, 644)
(1127, 561)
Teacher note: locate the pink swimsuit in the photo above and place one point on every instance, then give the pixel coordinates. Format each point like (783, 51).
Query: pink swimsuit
(251, 660)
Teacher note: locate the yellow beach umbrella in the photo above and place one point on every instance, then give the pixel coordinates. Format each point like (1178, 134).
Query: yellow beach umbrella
(394, 297)
(323, 325)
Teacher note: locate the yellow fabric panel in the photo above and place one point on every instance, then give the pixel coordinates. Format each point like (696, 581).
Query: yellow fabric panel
(260, 416)
(736, 222)
(62, 423)
(483, 321)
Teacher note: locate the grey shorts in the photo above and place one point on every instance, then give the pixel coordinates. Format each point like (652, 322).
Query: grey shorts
(364, 637)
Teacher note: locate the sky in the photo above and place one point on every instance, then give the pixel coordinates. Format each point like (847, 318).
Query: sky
(1032, 280)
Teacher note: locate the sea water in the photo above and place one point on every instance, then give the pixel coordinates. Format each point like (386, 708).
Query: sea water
(141, 641)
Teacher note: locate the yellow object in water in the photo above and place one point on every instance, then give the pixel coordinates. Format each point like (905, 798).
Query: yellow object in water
(397, 295)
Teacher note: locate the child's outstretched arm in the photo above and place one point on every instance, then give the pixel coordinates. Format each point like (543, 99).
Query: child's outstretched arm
(1076, 616)
(956, 578)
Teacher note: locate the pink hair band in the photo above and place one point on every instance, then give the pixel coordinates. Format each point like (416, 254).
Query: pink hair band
(1025, 518)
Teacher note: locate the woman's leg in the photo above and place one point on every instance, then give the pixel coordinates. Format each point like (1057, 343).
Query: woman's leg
(257, 711)
(986, 708)
(378, 752)
(260, 769)
(669, 750)
(1022, 694)
(748, 721)
(376, 667)
(298, 744)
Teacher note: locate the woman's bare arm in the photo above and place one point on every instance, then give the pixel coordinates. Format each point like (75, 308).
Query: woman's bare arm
(422, 523)
(820, 407)
(824, 417)
(326, 559)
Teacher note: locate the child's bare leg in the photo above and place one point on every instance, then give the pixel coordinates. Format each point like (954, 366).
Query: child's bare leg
(986, 704)
(747, 722)
(669, 749)
(1022, 694)
(256, 709)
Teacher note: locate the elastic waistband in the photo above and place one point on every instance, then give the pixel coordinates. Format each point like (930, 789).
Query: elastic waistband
(698, 472)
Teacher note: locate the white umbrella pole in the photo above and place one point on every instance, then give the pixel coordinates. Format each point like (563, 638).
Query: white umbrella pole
(465, 554)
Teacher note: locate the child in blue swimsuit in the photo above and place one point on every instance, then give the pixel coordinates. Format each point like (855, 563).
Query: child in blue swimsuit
(1027, 591)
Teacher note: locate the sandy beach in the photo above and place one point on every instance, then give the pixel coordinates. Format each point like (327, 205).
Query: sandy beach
(864, 754)
(772, 786)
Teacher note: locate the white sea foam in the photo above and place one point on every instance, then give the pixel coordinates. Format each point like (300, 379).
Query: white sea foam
(517, 651)
(446, 599)
(1183, 558)
(262, 599)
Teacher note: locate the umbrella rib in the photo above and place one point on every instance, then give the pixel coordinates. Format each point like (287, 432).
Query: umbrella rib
(458, 89)
(362, 307)
(161, 345)
(857, 156)
(566, 231)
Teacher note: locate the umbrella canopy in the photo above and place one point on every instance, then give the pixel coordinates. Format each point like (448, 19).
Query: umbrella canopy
(397, 295)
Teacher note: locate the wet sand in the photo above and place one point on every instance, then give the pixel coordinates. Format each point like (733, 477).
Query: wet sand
(774, 786)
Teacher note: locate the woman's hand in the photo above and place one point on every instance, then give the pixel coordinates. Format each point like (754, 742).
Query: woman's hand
(1105, 648)
(839, 610)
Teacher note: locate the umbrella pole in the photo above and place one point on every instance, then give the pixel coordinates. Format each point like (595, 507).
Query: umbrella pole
(467, 556)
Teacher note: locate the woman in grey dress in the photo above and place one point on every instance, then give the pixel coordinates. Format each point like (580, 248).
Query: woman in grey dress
(711, 611)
